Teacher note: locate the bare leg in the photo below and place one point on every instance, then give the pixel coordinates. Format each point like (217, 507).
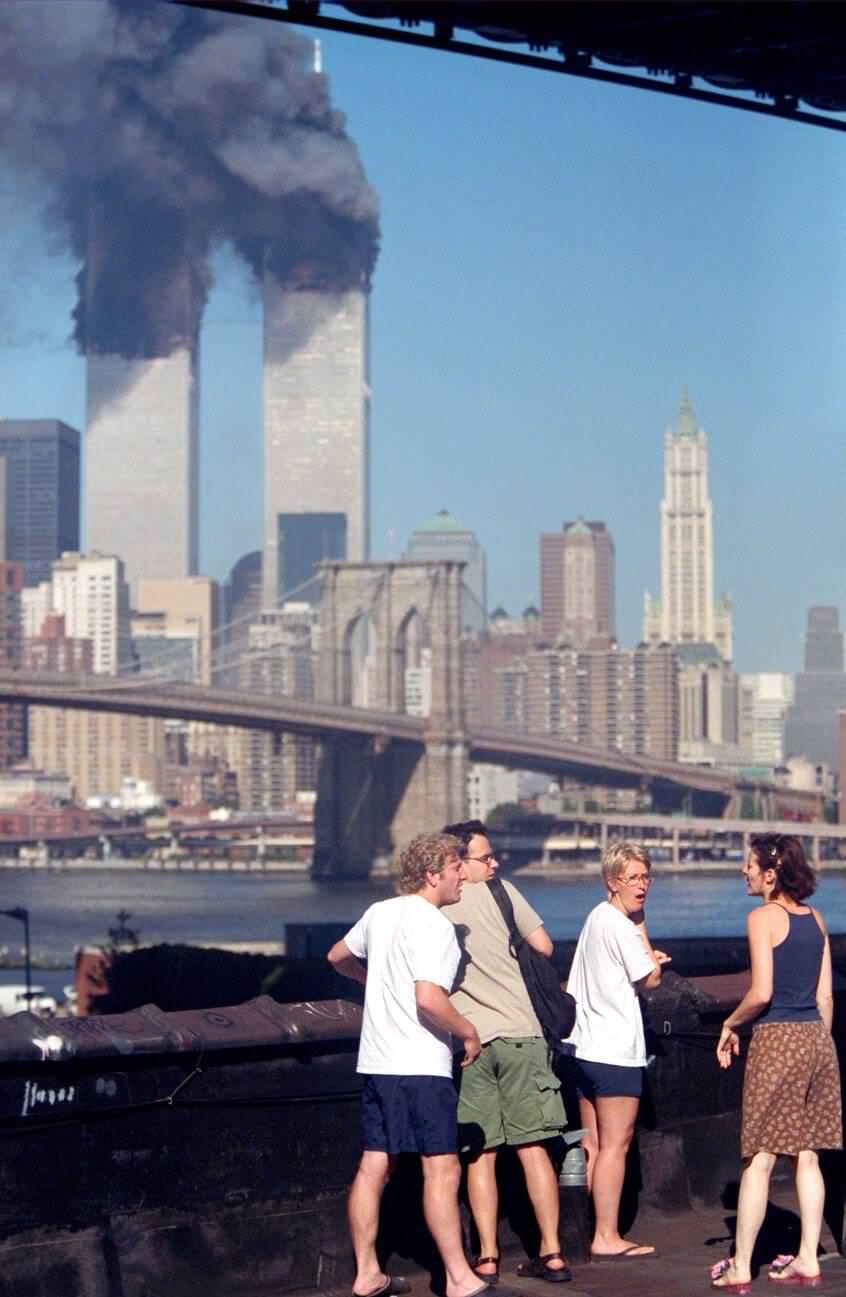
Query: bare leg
(542, 1188)
(590, 1142)
(751, 1209)
(484, 1203)
(363, 1209)
(615, 1117)
(810, 1191)
(441, 1176)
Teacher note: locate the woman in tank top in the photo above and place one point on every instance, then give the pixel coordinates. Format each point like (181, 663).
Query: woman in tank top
(791, 1090)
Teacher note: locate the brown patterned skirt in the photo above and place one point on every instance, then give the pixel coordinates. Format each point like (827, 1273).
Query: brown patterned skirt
(791, 1091)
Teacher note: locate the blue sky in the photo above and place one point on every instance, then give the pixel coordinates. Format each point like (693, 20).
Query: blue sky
(559, 259)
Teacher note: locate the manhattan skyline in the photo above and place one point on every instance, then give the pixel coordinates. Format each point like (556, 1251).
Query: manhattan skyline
(559, 261)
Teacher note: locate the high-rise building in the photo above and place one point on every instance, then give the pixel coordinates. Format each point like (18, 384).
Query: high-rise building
(13, 716)
(222, 745)
(163, 653)
(87, 628)
(763, 700)
(823, 640)
(179, 609)
(316, 416)
(708, 706)
(90, 592)
(577, 584)
(36, 607)
(280, 660)
(242, 598)
(487, 661)
(97, 750)
(811, 724)
(443, 537)
(623, 700)
(39, 493)
(306, 539)
(686, 612)
(141, 462)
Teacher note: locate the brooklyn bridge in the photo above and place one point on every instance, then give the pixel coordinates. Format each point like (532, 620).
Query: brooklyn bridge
(383, 774)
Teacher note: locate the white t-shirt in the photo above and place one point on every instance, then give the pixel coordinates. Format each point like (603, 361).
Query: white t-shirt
(610, 957)
(404, 940)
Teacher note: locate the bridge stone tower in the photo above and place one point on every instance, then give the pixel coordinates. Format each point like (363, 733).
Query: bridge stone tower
(374, 795)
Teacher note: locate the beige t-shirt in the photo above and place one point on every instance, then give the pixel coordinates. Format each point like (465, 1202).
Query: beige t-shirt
(489, 988)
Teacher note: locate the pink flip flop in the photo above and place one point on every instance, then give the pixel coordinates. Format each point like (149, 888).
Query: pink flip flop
(740, 1287)
(781, 1263)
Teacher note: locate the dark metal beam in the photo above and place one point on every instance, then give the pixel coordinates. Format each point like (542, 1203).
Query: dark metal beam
(576, 64)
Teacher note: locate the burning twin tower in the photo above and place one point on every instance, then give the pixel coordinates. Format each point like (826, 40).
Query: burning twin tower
(141, 468)
(163, 132)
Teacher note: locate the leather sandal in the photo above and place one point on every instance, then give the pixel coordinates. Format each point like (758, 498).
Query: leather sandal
(492, 1279)
(539, 1268)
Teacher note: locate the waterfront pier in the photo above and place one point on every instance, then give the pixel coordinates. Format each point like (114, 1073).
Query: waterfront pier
(673, 841)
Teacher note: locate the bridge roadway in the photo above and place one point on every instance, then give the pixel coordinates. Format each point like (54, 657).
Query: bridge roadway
(142, 696)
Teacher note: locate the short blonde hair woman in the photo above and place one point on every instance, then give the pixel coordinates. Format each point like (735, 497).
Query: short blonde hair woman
(614, 960)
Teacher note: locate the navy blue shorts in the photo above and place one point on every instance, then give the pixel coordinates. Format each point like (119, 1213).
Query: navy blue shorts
(606, 1080)
(409, 1114)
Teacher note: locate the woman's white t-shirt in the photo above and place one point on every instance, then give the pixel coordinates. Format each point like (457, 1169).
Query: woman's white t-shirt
(610, 957)
(404, 940)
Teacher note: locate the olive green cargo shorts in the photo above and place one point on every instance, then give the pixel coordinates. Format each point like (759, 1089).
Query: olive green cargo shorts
(510, 1095)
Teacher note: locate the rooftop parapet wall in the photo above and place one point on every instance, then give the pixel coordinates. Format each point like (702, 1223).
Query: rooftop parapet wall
(210, 1151)
(145, 1031)
(201, 1151)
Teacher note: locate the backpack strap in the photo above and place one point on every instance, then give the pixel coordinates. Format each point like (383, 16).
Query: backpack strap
(506, 909)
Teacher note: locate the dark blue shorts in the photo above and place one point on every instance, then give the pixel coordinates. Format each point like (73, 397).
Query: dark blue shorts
(606, 1080)
(409, 1114)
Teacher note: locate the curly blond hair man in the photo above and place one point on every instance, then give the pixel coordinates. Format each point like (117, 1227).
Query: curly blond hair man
(408, 1099)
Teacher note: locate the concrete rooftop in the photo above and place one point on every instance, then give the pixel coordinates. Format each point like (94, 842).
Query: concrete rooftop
(689, 1243)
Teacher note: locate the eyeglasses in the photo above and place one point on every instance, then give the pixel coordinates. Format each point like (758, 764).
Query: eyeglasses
(645, 879)
(485, 859)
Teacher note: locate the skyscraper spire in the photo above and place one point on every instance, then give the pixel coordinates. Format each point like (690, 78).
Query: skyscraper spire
(686, 612)
(685, 425)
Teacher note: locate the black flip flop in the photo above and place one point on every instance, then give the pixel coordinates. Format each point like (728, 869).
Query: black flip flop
(630, 1253)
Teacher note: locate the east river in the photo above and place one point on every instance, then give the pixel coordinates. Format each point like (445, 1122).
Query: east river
(78, 907)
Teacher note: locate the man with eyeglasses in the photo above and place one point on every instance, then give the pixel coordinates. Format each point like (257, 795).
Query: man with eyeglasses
(511, 1095)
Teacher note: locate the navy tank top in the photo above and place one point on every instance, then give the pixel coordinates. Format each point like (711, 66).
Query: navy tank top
(796, 971)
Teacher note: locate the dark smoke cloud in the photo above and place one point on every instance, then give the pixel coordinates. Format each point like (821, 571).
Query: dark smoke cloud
(162, 131)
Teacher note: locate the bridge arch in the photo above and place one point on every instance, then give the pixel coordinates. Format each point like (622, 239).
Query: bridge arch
(371, 799)
(354, 652)
(407, 606)
(411, 648)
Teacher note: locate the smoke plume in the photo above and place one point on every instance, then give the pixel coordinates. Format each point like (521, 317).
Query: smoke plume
(161, 132)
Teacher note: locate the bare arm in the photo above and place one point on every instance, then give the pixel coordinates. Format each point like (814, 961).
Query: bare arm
(649, 982)
(825, 999)
(434, 1003)
(345, 962)
(658, 957)
(541, 941)
(760, 931)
